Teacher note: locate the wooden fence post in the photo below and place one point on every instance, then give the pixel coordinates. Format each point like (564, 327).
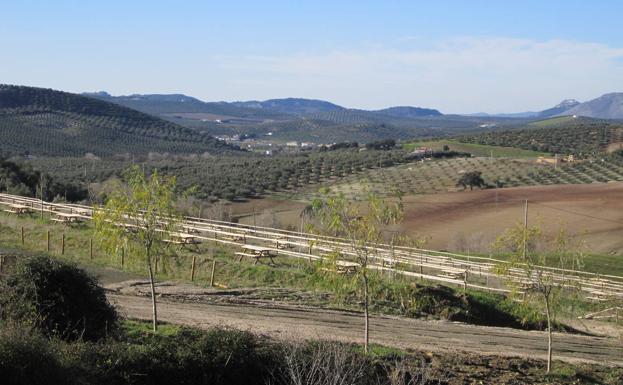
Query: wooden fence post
(22, 235)
(192, 269)
(212, 274)
(1, 263)
(122, 257)
(63, 244)
(48, 240)
(91, 248)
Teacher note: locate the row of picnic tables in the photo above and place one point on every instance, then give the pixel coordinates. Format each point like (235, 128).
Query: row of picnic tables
(57, 216)
(190, 231)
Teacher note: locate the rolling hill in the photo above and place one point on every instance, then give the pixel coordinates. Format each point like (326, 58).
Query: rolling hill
(296, 106)
(561, 108)
(581, 136)
(608, 106)
(410, 112)
(37, 121)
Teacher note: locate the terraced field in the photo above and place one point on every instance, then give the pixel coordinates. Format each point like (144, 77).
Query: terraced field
(441, 175)
(434, 176)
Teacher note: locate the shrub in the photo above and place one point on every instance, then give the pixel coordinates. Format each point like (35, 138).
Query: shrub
(189, 356)
(28, 358)
(322, 363)
(57, 298)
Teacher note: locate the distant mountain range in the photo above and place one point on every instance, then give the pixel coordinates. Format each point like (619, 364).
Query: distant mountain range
(169, 103)
(294, 118)
(608, 106)
(47, 122)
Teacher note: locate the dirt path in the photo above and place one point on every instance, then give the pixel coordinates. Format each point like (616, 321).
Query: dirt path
(310, 323)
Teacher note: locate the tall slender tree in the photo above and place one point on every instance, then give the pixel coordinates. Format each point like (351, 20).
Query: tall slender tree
(362, 226)
(529, 270)
(141, 213)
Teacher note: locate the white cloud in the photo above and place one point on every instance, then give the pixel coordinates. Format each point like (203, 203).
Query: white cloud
(464, 74)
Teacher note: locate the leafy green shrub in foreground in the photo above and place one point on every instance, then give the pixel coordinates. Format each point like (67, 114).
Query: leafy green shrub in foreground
(57, 298)
(28, 358)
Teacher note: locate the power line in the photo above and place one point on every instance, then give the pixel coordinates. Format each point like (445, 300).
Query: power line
(519, 201)
(579, 214)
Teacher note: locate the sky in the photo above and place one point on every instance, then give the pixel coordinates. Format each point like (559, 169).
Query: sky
(456, 56)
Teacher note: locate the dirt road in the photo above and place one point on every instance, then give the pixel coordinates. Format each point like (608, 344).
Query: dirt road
(310, 323)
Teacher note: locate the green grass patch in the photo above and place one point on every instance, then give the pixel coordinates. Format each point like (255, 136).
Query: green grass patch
(135, 329)
(552, 121)
(476, 149)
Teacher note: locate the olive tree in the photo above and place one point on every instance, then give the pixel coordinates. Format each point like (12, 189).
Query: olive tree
(471, 179)
(362, 227)
(140, 212)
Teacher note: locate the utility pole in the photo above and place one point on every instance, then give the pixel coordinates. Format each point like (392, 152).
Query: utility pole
(525, 229)
(496, 197)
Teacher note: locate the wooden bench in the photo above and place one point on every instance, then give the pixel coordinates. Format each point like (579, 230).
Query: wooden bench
(242, 255)
(597, 299)
(452, 273)
(173, 242)
(282, 245)
(234, 238)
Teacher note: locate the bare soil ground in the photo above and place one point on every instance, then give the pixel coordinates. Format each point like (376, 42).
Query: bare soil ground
(470, 220)
(459, 220)
(268, 212)
(244, 309)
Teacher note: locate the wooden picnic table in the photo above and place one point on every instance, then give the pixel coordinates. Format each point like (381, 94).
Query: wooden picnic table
(346, 267)
(257, 252)
(453, 273)
(190, 229)
(18, 209)
(182, 239)
(67, 218)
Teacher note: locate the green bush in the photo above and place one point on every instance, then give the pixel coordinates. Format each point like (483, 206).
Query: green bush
(57, 298)
(28, 358)
(215, 357)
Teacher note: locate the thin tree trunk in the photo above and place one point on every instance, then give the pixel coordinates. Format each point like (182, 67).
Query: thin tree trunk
(365, 313)
(549, 334)
(153, 293)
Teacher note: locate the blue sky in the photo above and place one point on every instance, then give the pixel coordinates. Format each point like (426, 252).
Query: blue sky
(458, 56)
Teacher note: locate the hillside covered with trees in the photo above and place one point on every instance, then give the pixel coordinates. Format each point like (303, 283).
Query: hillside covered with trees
(22, 179)
(582, 137)
(36, 121)
(232, 177)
